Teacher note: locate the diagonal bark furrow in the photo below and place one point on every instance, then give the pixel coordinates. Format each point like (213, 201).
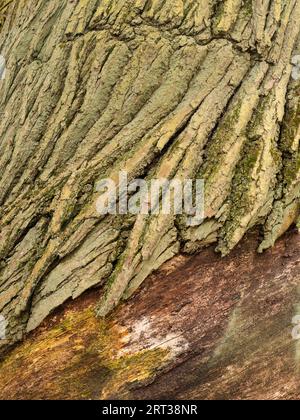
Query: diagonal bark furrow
(173, 89)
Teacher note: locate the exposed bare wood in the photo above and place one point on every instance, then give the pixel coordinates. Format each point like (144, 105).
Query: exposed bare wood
(201, 328)
(174, 89)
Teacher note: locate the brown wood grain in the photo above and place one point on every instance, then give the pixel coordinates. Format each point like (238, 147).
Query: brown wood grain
(202, 327)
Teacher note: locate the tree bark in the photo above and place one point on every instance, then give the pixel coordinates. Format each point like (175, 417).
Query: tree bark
(202, 327)
(173, 89)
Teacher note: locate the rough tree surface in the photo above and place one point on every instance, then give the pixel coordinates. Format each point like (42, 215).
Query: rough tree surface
(173, 88)
(213, 329)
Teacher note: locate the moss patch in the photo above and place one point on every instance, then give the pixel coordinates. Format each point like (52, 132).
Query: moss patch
(78, 358)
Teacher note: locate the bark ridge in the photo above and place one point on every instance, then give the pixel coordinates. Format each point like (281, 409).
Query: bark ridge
(174, 89)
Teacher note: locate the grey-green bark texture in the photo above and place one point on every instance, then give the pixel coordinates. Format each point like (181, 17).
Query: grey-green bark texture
(215, 328)
(174, 89)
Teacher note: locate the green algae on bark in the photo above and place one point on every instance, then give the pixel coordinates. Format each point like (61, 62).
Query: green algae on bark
(159, 89)
(236, 323)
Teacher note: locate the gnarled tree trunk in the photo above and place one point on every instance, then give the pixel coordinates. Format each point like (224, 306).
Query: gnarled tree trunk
(200, 89)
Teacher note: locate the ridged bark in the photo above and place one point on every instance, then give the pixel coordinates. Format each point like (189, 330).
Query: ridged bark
(213, 329)
(176, 89)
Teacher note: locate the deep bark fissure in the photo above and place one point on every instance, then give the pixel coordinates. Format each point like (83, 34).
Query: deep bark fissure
(161, 90)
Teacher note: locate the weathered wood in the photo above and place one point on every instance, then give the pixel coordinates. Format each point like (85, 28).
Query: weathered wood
(202, 328)
(182, 89)
(161, 89)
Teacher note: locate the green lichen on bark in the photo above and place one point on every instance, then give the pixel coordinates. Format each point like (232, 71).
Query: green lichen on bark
(160, 89)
